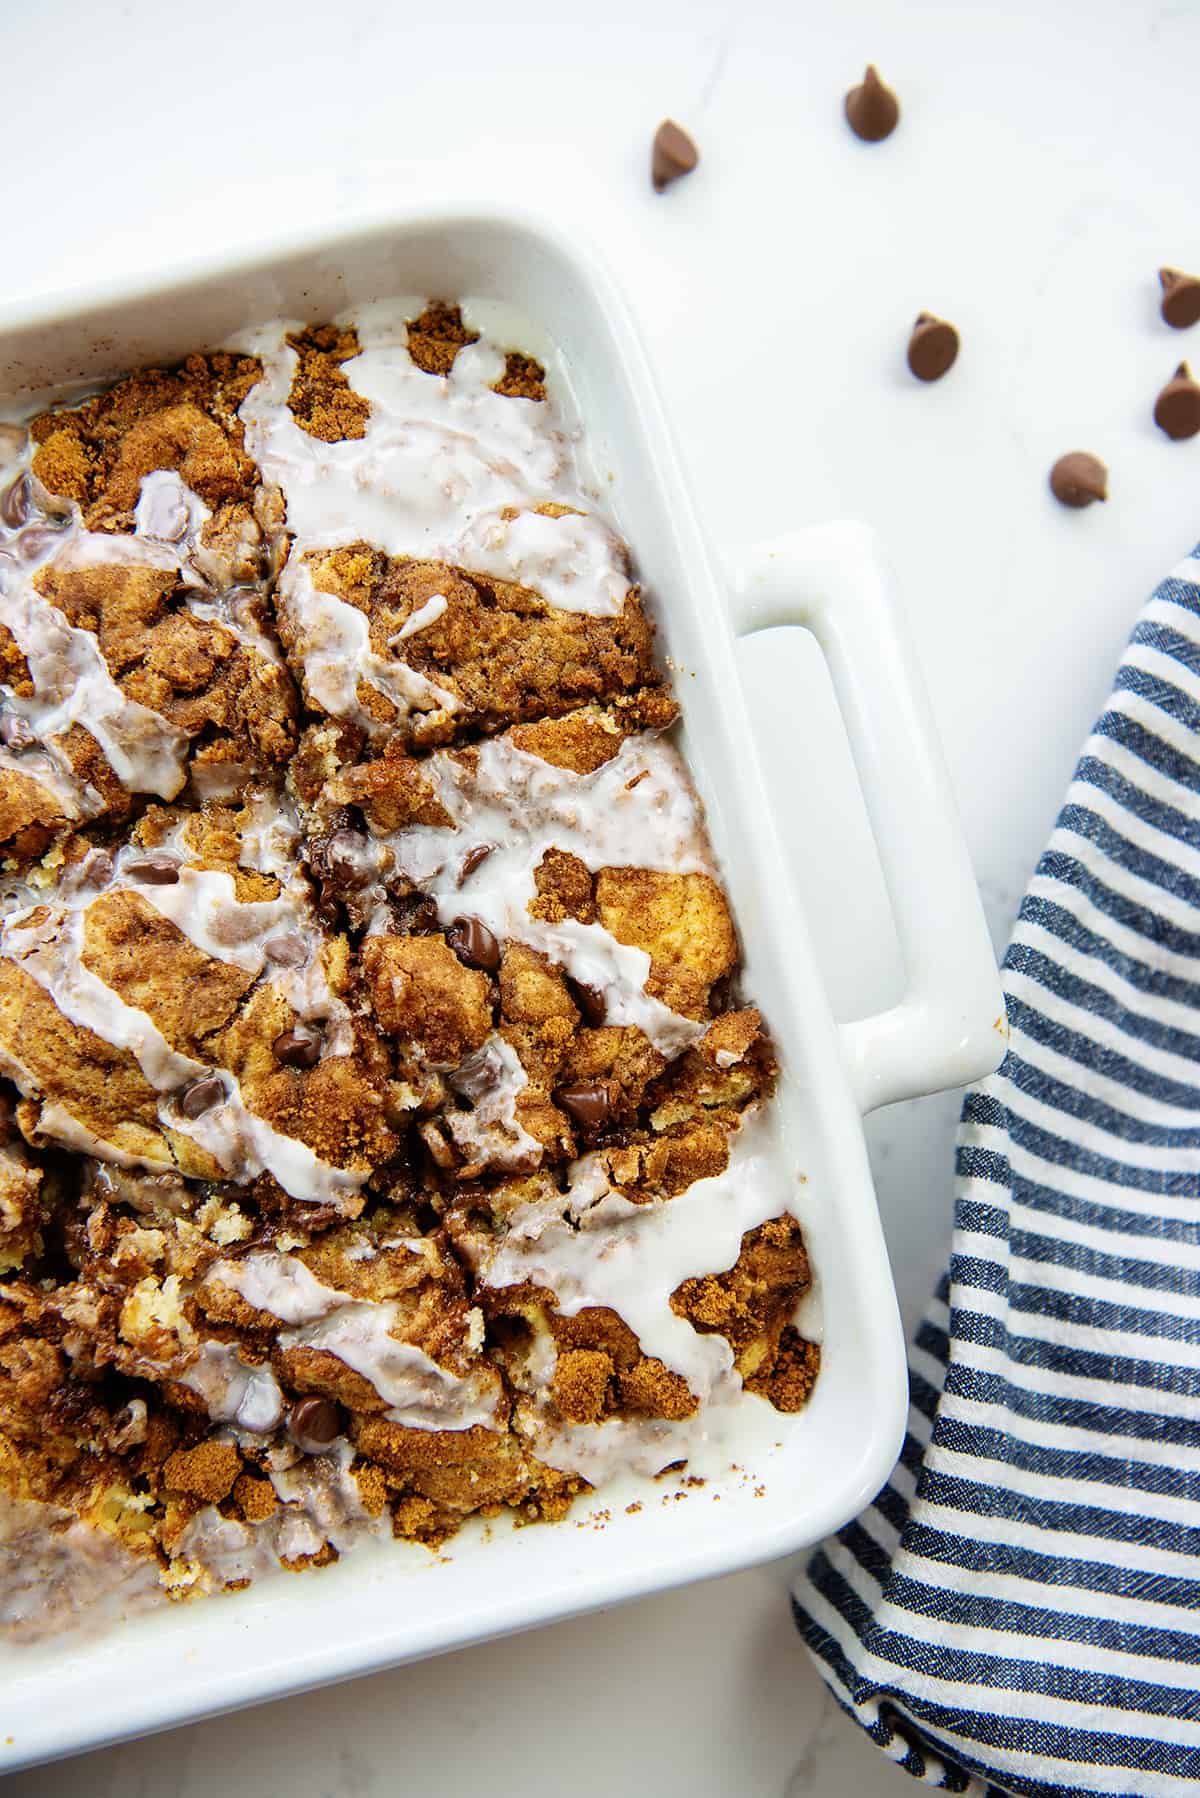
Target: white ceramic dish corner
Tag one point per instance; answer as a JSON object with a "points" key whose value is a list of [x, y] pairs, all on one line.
{"points": [[800, 1477]]}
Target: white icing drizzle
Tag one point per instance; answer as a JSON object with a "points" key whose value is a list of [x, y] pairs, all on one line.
{"points": [[637, 810], [167, 510], [57, 1572], [71, 799], [280, 1284], [333, 643], [203, 904], [234, 612], [593, 1247], [72, 685], [234, 1390], [422, 618], [79, 549], [59, 1125], [270, 835], [71, 678], [419, 1392], [320, 1503], [241, 1142], [446, 470], [573, 560], [219, 780], [645, 1445], [492, 1078], [325, 1488], [436, 450], [169, 514], [50, 949]]}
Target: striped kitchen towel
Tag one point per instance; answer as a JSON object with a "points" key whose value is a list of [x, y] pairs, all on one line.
{"points": [[1019, 1610]]}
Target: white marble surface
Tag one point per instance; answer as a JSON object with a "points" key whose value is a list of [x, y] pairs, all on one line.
{"points": [[1043, 171]]}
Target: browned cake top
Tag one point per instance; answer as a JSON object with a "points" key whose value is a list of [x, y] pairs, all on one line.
{"points": [[383, 1138]]}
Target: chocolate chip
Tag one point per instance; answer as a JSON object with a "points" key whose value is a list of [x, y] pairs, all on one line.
{"points": [[474, 944], [1177, 408], [1180, 304], [1079, 479], [872, 109], [16, 503], [415, 913], [346, 859], [473, 859], [297, 1048], [156, 869], [286, 951], [674, 154], [201, 1095], [314, 1424], [15, 732], [591, 1001], [586, 1102], [932, 348]]}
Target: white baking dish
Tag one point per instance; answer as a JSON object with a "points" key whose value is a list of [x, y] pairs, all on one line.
{"points": [[799, 1477]]}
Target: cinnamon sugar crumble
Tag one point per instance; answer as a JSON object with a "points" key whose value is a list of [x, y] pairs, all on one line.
{"points": [[523, 378], [383, 1141], [321, 398], [436, 336]]}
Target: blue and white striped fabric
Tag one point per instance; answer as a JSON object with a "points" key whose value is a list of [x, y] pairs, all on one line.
{"points": [[1019, 1610]]}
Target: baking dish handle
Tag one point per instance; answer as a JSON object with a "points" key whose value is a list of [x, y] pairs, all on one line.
{"points": [[949, 1026]]}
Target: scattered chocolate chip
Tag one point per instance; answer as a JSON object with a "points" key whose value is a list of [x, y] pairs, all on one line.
{"points": [[474, 944], [473, 859], [286, 951], [314, 1424], [872, 109], [591, 1001], [1177, 408], [932, 348], [415, 913], [1079, 479], [16, 503], [346, 859], [339, 861], [297, 1048], [157, 869], [1180, 304], [201, 1095], [637, 780], [15, 733], [674, 154], [586, 1102]]}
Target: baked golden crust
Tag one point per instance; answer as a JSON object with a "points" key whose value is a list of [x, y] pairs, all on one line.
{"points": [[185, 418], [191, 671], [321, 399], [501, 653], [300, 1017]]}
